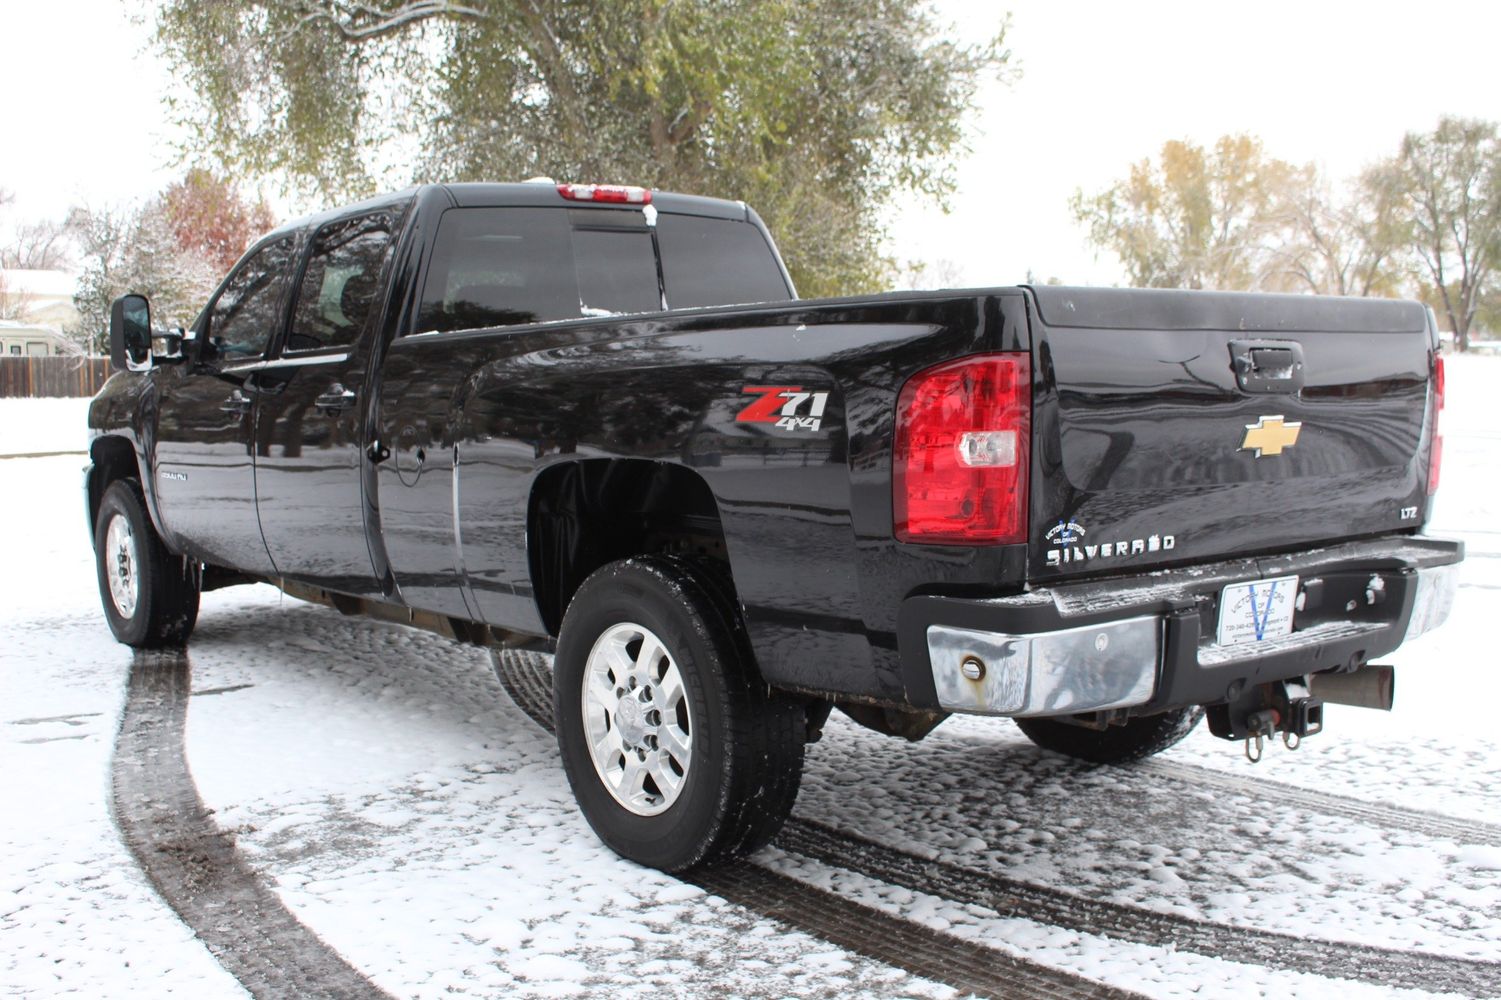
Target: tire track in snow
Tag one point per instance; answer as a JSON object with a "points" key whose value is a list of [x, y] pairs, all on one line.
{"points": [[945, 958], [1428, 824], [194, 865], [1008, 897], [528, 680]]}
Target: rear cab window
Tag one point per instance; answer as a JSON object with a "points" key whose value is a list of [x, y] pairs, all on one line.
{"points": [[717, 262], [493, 267]]}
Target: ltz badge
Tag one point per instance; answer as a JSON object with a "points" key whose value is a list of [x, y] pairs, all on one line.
{"points": [[780, 405]]}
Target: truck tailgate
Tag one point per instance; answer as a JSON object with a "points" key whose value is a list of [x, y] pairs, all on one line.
{"points": [[1176, 426]]}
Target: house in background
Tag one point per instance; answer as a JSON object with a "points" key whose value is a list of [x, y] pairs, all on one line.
{"points": [[29, 340], [39, 304]]}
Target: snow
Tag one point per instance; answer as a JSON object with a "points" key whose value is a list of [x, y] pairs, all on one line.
{"points": [[42, 426], [382, 784]]}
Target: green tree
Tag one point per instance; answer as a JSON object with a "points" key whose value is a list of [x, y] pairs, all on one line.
{"points": [[1197, 218], [820, 113], [1450, 180]]}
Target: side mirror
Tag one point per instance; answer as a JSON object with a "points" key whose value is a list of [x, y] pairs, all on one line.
{"points": [[130, 333]]}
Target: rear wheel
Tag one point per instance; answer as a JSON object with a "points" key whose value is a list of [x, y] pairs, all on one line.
{"points": [[1133, 740], [150, 597], [677, 753]]}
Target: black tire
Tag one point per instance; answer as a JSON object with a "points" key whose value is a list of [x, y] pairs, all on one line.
{"points": [[1134, 740], [746, 742], [166, 594]]}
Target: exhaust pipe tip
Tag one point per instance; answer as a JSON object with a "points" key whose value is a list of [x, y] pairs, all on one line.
{"points": [[1371, 686]]}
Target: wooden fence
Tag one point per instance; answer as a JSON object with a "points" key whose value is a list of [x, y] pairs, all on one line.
{"points": [[52, 376]]}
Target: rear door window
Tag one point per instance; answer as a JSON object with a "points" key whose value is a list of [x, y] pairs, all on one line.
{"points": [[339, 284], [717, 262]]}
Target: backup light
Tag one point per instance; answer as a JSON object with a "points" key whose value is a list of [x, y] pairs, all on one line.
{"points": [[617, 193], [959, 457]]}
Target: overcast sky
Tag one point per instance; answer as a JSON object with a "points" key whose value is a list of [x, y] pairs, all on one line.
{"points": [[1103, 84]]}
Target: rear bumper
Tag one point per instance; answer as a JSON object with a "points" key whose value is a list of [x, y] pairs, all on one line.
{"points": [[1147, 642]]}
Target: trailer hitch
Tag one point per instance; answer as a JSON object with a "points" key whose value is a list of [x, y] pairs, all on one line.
{"points": [[1283, 707]]}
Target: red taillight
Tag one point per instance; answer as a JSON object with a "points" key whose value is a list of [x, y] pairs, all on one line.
{"points": [[619, 193], [1436, 442], [959, 461]]}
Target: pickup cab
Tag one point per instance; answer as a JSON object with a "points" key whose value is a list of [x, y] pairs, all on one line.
{"points": [[596, 421]]}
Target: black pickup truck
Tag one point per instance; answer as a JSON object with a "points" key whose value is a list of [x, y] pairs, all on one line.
{"points": [[596, 420]]}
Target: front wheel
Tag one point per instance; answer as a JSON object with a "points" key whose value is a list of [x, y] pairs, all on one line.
{"points": [[1134, 739], [677, 753], [150, 597]]}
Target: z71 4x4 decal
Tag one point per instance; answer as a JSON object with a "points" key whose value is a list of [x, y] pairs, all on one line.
{"points": [[779, 405]]}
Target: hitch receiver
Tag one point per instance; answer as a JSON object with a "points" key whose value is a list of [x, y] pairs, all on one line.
{"points": [[1264, 711]]}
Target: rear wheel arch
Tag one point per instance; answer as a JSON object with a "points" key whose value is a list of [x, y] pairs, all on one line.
{"points": [[583, 515]]}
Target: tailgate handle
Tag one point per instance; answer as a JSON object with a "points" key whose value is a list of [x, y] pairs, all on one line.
{"points": [[1267, 365]]}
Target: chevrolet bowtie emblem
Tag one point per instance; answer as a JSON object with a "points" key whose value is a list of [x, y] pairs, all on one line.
{"points": [[1270, 435]]}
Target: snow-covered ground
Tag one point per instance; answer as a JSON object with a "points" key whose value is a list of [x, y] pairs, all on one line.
{"points": [[43, 426], [382, 783]]}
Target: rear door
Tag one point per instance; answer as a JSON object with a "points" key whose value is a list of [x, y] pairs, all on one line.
{"points": [[309, 439], [1178, 426]]}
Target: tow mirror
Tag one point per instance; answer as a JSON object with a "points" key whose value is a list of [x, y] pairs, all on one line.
{"points": [[130, 333]]}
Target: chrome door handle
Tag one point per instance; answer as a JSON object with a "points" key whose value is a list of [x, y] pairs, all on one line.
{"points": [[334, 399], [236, 402]]}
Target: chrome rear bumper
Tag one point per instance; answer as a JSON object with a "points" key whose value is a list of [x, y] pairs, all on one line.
{"points": [[1149, 642]]}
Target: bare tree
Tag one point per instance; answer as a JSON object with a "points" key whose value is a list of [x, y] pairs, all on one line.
{"points": [[930, 275], [1451, 181], [1342, 243], [14, 306], [40, 246]]}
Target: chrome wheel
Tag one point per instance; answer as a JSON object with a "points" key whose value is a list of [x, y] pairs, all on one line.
{"points": [[636, 719], [120, 562]]}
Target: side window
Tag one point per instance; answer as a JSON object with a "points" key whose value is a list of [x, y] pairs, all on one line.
{"points": [[247, 312], [716, 262], [339, 285], [497, 267]]}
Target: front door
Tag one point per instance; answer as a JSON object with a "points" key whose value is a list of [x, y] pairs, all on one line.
{"points": [[309, 436], [205, 475]]}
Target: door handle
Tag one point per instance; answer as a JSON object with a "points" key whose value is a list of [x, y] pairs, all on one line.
{"points": [[334, 399], [1271, 366], [236, 402]]}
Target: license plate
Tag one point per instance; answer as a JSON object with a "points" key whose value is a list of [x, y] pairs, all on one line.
{"points": [[1255, 612]]}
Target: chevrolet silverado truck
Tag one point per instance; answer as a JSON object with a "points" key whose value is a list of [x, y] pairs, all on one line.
{"points": [[596, 420]]}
